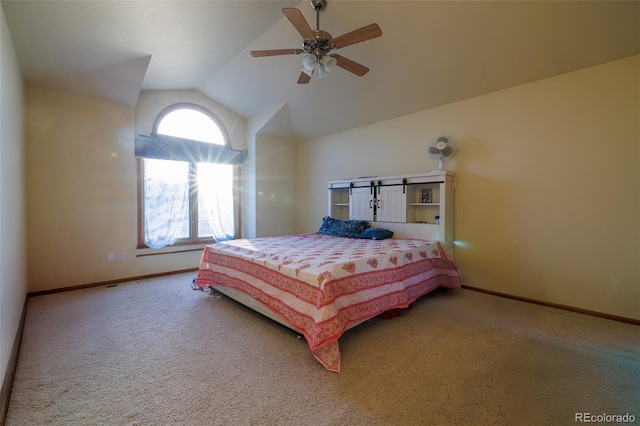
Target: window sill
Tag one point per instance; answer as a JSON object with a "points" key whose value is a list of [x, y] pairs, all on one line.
{"points": [[141, 252]]}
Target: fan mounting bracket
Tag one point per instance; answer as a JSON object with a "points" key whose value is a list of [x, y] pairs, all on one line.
{"points": [[318, 4]]}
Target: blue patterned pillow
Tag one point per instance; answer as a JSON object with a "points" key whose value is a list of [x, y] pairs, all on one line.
{"points": [[342, 228], [376, 234]]}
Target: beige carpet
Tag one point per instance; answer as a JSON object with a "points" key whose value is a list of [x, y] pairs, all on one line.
{"points": [[155, 352]]}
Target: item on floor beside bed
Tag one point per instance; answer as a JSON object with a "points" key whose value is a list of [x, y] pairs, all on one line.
{"points": [[320, 285], [392, 313]]}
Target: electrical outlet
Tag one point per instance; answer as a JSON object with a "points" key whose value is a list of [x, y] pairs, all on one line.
{"points": [[121, 257], [110, 257]]}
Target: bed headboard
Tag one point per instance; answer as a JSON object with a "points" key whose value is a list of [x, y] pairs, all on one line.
{"points": [[406, 204]]}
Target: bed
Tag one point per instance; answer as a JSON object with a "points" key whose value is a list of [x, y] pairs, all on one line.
{"points": [[321, 285]]}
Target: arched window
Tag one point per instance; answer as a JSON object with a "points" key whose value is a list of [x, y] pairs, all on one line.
{"points": [[191, 121], [186, 179]]}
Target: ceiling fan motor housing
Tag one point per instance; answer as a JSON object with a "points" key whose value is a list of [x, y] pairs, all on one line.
{"points": [[321, 45]]}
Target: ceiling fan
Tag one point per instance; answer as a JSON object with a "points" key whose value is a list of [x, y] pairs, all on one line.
{"points": [[317, 45]]}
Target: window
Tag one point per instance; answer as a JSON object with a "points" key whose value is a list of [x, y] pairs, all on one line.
{"points": [[185, 180]]}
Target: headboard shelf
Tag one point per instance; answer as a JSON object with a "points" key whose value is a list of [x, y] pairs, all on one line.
{"points": [[412, 206]]}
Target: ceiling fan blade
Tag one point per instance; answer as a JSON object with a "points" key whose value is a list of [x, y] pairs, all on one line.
{"points": [[298, 21], [304, 78], [357, 36], [350, 65], [274, 52]]}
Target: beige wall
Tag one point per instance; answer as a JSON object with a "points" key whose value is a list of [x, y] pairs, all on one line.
{"points": [[13, 261], [82, 193], [269, 175], [82, 186], [275, 186], [548, 184]]}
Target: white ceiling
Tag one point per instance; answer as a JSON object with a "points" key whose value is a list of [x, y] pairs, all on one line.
{"points": [[431, 52]]}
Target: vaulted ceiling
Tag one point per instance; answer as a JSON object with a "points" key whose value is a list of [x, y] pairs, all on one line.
{"points": [[431, 52]]}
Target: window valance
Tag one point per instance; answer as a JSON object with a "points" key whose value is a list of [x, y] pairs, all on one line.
{"points": [[166, 148]]}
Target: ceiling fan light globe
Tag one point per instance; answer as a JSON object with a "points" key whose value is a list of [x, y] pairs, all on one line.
{"points": [[308, 63], [329, 63], [322, 71]]}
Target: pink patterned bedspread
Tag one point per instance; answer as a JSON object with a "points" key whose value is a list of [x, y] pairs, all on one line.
{"points": [[321, 285]]}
